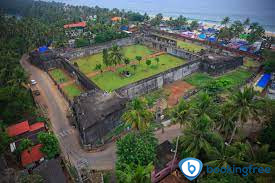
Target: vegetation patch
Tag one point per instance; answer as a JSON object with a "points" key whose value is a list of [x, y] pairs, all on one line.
{"points": [[110, 81], [88, 64], [72, 90], [251, 63], [236, 77], [233, 78], [190, 46], [198, 79], [59, 75]]}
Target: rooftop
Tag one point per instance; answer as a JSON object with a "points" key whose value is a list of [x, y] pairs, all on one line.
{"points": [[164, 155], [217, 58], [51, 171], [23, 127], [36, 126], [115, 19], [32, 155], [94, 107], [74, 25], [18, 129]]}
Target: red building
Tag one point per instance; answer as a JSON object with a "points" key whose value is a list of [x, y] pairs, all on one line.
{"points": [[24, 130], [31, 156], [75, 25]]}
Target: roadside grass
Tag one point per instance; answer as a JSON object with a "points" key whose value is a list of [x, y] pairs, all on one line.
{"points": [[110, 81], [72, 90], [87, 64], [59, 76], [190, 46]]}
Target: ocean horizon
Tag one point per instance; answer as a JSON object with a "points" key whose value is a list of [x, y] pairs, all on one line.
{"points": [[212, 11]]}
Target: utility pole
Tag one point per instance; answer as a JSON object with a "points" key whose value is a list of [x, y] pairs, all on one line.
{"points": [[177, 143]]}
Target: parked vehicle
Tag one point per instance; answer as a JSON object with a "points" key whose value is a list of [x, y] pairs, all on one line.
{"points": [[33, 82]]}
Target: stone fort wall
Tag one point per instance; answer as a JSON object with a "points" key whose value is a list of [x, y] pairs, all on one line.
{"points": [[86, 51], [157, 81]]}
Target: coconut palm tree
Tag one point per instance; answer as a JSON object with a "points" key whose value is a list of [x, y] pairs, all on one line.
{"points": [[243, 107], [137, 115], [126, 61], [116, 56], [181, 113], [237, 28], [135, 174], [205, 106], [228, 155], [199, 137], [225, 21], [139, 58]]}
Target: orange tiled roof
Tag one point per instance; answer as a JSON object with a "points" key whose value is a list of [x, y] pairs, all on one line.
{"points": [[78, 24], [31, 156], [37, 126], [18, 129], [115, 19]]}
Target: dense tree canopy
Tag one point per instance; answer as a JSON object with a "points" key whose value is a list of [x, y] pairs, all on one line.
{"points": [[137, 148], [50, 144]]}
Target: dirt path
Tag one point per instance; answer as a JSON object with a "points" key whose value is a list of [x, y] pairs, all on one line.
{"points": [[67, 83], [133, 62], [67, 135], [177, 89]]}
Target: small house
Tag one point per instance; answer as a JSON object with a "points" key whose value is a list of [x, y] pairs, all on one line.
{"points": [[24, 130], [31, 157]]}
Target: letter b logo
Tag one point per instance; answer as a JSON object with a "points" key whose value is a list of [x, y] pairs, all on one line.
{"points": [[190, 167]]}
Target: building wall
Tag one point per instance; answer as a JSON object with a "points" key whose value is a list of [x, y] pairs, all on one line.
{"points": [[157, 81], [82, 52], [219, 68], [93, 136], [169, 48]]}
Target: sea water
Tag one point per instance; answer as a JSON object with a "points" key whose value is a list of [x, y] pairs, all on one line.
{"points": [[261, 11]]}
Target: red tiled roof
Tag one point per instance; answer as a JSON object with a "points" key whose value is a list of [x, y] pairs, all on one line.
{"points": [[115, 19], [78, 24], [18, 129], [31, 156], [36, 126]]}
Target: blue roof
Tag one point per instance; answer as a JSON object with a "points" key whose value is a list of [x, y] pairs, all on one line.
{"points": [[264, 80], [42, 49], [202, 36], [243, 48]]}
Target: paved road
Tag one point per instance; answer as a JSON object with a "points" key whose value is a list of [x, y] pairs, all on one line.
{"points": [[67, 135]]}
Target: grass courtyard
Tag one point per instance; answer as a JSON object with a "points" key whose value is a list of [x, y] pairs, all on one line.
{"points": [[87, 64], [110, 81], [235, 77], [59, 75], [72, 90], [190, 46]]}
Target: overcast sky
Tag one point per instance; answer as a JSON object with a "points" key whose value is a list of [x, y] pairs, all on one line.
{"points": [[181, 5]]}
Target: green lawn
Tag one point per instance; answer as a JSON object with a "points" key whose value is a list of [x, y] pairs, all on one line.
{"points": [[235, 77], [189, 46], [198, 79], [72, 90], [110, 81], [87, 64], [59, 75]]}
